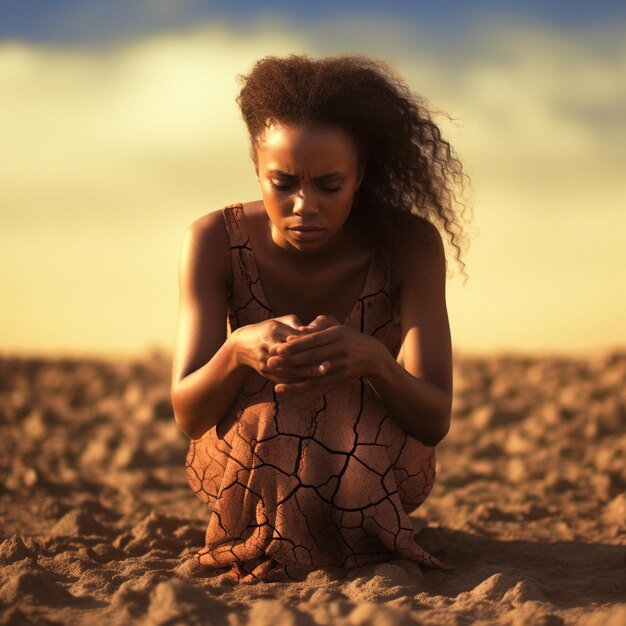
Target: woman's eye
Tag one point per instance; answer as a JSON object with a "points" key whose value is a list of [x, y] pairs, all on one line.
{"points": [[280, 186], [286, 186]]}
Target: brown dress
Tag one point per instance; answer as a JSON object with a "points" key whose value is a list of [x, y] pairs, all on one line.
{"points": [[309, 479]]}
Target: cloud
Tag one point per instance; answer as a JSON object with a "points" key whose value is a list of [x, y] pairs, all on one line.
{"points": [[110, 152]]}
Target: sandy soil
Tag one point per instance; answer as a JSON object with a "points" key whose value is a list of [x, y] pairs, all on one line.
{"points": [[98, 524]]}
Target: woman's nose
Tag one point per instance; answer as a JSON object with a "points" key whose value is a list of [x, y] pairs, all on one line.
{"points": [[304, 202]]}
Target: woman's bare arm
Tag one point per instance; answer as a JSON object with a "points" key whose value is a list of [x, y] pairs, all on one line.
{"points": [[418, 396], [206, 374]]}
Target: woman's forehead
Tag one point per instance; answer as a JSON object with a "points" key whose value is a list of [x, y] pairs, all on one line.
{"points": [[299, 141], [279, 133]]}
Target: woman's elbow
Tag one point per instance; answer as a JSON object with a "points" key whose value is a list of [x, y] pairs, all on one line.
{"points": [[182, 417], [438, 433], [185, 427], [441, 433], [183, 424]]}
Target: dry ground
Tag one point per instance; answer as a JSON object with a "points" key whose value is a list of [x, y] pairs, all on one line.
{"points": [[97, 522]]}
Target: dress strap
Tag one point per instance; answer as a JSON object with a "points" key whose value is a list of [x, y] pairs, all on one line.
{"points": [[388, 269], [377, 318], [235, 226], [246, 305], [380, 280]]}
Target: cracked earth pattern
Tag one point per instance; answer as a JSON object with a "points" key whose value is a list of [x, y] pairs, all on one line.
{"points": [[320, 478]]}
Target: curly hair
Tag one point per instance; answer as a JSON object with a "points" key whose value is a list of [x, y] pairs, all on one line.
{"points": [[409, 167]]}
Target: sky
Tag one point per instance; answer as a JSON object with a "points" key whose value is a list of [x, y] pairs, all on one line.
{"points": [[87, 21], [120, 128]]}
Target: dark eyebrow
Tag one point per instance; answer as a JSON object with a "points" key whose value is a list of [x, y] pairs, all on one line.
{"points": [[286, 175], [330, 175], [281, 173]]}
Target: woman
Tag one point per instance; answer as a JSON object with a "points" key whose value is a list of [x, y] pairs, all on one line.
{"points": [[310, 438]]}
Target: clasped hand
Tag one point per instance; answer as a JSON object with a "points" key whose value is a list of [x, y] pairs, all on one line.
{"points": [[333, 352]]}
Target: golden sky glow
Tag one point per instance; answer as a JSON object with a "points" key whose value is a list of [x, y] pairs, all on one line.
{"points": [[109, 153]]}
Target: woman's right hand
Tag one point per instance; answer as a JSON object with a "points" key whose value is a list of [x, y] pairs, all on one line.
{"points": [[255, 340]]}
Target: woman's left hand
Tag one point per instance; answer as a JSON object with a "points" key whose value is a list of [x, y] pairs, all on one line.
{"points": [[344, 353]]}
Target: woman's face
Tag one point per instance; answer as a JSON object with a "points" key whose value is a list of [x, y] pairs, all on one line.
{"points": [[308, 176]]}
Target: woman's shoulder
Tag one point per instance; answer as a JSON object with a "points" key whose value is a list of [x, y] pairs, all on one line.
{"points": [[412, 237], [207, 245], [413, 229], [208, 228], [209, 234], [212, 227], [416, 239]]}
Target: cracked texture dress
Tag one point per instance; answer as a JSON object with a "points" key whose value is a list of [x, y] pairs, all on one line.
{"points": [[311, 479]]}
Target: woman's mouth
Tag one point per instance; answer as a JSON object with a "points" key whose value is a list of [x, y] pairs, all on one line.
{"points": [[306, 233]]}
